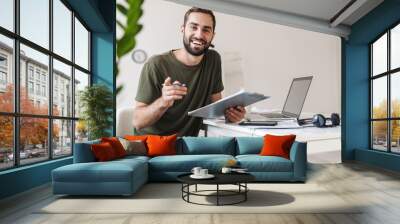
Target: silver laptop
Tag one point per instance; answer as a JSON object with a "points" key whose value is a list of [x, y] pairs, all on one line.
{"points": [[294, 100]]}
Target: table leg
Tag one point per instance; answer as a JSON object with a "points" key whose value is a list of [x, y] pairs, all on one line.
{"points": [[196, 188], [245, 193], [217, 194]]}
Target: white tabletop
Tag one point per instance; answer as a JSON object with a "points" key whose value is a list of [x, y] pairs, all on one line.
{"points": [[305, 134]]}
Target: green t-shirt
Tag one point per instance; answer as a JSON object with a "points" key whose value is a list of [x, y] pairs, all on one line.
{"points": [[201, 80]]}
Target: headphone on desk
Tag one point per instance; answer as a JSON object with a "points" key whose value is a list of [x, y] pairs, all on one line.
{"points": [[318, 120]]}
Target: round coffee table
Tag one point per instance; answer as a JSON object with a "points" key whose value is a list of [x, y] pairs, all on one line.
{"points": [[238, 179]]}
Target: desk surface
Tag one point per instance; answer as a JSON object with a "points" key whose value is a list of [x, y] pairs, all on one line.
{"points": [[305, 134]]}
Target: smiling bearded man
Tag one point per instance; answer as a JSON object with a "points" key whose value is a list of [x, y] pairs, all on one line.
{"points": [[181, 80]]}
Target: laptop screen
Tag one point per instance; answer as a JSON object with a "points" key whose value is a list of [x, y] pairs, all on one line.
{"points": [[296, 96]]}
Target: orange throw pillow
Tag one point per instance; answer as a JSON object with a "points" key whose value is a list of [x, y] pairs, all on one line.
{"points": [[116, 145], [136, 137], [161, 145], [277, 145], [103, 151]]}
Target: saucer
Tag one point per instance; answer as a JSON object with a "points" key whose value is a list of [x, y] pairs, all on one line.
{"points": [[208, 176]]}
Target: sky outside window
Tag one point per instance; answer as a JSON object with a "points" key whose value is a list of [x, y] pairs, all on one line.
{"points": [[62, 29], [35, 21], [379, 56], [7, 14], [395, 47]]}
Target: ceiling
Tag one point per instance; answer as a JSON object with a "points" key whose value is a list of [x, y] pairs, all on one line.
{"points": [[333, 17]]}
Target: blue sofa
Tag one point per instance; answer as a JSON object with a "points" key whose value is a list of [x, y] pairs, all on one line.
{"points": [[125, 176]]}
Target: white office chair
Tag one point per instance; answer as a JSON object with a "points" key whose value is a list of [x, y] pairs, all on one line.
{"points": [[124, 121]]}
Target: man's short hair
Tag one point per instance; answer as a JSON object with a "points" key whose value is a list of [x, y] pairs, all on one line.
{"points": [[205, 11]]}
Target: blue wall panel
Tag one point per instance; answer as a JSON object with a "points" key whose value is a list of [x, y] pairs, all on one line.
{"points": [[24, 178], [356, 85]]}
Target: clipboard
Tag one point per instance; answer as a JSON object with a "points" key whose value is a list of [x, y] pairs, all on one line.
{"points": [[217, 109]]}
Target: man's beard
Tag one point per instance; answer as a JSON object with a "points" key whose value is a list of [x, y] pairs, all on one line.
{"points": [[193, 51]]}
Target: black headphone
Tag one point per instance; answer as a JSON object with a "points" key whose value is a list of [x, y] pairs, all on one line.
{"points": [[319, 120]]}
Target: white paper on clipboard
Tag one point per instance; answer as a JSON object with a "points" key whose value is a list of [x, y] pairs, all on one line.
{"points": [[217, 109]]}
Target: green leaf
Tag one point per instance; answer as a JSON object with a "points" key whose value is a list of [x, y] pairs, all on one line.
{"points": [[125, 45], [122, 9], [119, 89], [121, 25], [132, 12]]}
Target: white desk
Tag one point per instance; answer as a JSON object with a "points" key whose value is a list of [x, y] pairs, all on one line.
{"points": [[323, 144]]}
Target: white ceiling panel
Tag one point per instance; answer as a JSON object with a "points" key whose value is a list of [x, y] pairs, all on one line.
{"points": [[333, 17]]}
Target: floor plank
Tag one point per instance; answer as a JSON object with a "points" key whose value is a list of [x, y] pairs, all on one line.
{"points": [[377, 190]]}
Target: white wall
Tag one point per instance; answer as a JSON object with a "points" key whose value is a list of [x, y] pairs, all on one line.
{"points": [[257, 56]]}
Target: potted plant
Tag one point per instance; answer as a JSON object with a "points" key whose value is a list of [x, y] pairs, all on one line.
{"points": [[96, 102]]}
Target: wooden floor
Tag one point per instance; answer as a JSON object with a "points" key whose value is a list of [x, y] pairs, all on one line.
{"points": [[378, 189]]}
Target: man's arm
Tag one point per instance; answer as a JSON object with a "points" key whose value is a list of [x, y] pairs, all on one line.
{"points": [[232, 114], [145, 115]]}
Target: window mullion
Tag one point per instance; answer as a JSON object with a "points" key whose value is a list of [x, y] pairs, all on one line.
{"points": [[16, 70], [73, 82], [50, 87]]}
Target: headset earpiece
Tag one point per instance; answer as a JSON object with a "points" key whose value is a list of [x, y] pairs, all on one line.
{"points": [[318, 120], [335, 119]]}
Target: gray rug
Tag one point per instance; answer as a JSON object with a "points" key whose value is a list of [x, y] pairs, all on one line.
{"points": [[166, 198]]}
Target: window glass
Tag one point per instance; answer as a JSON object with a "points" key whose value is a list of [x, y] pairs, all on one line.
{"points": [[379, 56], [6, 142], [34, 21], [6, 74], [62, 91], [379, 135], [395, 95], [33, 140], [379, 98], [395, 136], [395, 47], [81, 45], [62, 138], [62, 29], [81, 131], [39, 62], [81, 81], [7, 14]]}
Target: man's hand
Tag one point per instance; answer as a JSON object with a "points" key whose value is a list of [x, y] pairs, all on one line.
{"points": [[172, 92], [235, 114]]}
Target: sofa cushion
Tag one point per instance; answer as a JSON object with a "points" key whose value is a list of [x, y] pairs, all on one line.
{"points": [[134, 147], [257, 163], [185, 163], [249, 145], [116, 145], [206, 145], [161, 145], [142, 138], [112, 171], [275, 145], [83, 152], [103, 151]]}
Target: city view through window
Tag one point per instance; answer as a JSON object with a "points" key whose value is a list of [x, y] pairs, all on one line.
{"points": [[39, 114], [385, 92]]}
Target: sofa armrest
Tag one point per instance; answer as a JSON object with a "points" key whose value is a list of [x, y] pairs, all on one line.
{"points": [[83, 152], [298, 155]]}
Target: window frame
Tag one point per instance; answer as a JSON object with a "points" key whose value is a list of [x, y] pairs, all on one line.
{"points": [[15, 72], [388, 74]]}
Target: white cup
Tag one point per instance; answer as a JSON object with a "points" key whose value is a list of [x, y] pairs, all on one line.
{"points": [[196, 171], [203, 172], [226, 170]]}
